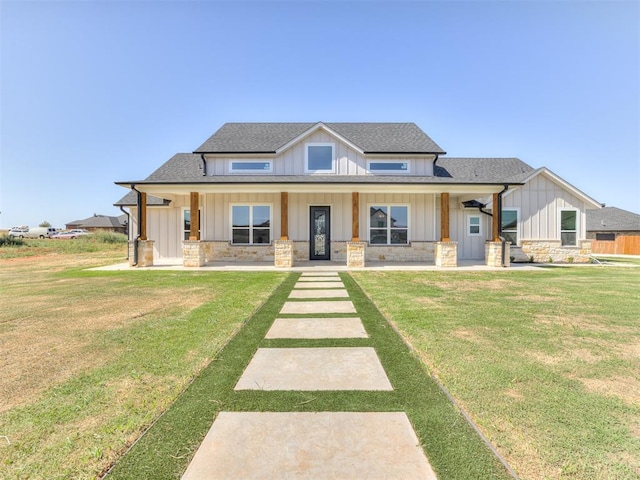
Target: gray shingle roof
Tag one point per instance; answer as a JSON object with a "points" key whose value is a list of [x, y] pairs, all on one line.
{"points": [[612, 219], [131, 200], [269, 137], [97, 221], [483, 170]]}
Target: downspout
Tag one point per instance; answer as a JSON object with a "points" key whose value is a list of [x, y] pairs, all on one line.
{"points": [[137, 239], [434, 164], [128, 224], [499, 220], [204, 165]]}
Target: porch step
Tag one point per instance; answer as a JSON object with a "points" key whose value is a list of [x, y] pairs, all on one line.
{"points": [[518, 255]]}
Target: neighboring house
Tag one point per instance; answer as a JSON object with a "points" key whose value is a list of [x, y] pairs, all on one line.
{"points": [[613, 230], [350, 193], [608, 223], [102, 223]]}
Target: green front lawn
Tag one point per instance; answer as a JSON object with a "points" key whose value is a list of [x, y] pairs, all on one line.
{"points": [[547, 363]]}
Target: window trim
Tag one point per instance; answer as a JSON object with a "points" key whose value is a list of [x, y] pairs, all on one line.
{"points": [[577, 229], [249, 170], [319, 144], [517, 210], [388, 227], [182, 230], [251, 227], [469, 217], [397, 172]]}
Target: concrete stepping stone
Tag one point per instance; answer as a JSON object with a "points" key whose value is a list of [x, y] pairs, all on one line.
{"points": [[318, 285], [308, 445], [329, 368], [325, 293], [319, 274], [317, 328], [319, 279], [318, 307]]}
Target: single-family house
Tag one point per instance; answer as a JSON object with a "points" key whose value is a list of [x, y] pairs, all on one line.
{"points": [[352, 193], [614, 231]]}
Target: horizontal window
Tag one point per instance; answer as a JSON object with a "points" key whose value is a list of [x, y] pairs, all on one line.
{"points": [[376, 166], [251, 224], [262, 166], [389, 225]]}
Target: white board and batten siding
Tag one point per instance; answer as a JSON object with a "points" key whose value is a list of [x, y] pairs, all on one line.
{"points": [[348, 161], [540, 202]]}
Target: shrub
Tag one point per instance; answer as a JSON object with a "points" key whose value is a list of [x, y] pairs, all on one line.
{"points": [[7, 241], [570, 259], [109, 237]]}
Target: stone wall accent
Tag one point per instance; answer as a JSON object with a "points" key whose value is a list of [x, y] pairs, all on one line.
{"points": [[493, 254], [545, 251], [423, 252], [224, 251], [356, 254], [145, 253], [446, 254], [193, 253], [283, 254]]}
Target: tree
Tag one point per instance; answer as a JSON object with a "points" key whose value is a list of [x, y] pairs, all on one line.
{"points": [[45, 224]]}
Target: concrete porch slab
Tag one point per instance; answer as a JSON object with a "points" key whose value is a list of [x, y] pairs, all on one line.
{"points": [[337, 284], [317, 328], [330, 368], [318, 307], [307, 445], [324, 293]]}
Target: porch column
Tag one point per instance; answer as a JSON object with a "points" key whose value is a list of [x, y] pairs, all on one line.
{"points": [[284, 215], [355, 216], [446, 250], [142, 216], [444, 217], [497, 218], [194, 232]]}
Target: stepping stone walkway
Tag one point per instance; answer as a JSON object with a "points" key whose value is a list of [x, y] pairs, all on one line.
{"points": [[312, 445]]}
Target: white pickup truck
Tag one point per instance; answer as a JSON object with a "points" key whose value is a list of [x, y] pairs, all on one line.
{"points": [[32, 232]]}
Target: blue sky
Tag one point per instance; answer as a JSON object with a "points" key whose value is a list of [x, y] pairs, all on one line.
{"points": [[94, 92]]}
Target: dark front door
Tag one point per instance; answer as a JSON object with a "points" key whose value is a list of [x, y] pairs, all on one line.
{"points": [[320, 235]]}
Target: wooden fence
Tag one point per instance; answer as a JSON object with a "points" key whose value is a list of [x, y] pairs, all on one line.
{"points": [[621, 246]]}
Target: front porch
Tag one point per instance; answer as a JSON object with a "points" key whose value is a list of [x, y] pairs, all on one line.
{"points": [[350, 228]]}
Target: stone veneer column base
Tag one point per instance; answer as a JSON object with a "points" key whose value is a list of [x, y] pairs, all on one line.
{"points": [[145, 253], [493, 254], [283, 255], [193, 253], [356, 254], [446, 254]]}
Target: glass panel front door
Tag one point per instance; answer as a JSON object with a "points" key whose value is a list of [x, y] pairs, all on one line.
{"points": [[320, 238]]}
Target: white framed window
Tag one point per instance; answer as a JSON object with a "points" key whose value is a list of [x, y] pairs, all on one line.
{"points": [[388, 166], [251, 224], [186, 223], [474, 226], [389, 224], [319, 158], [250, 166], [510, 222], [569, 227]]}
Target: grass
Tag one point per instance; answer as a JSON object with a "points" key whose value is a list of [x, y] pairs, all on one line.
{"points": [[545, 362], [90, 359], [454, 450]]}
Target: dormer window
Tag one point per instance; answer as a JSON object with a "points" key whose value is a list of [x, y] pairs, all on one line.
{"points": [[388, 166], [250, 166], [319, 158]]}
